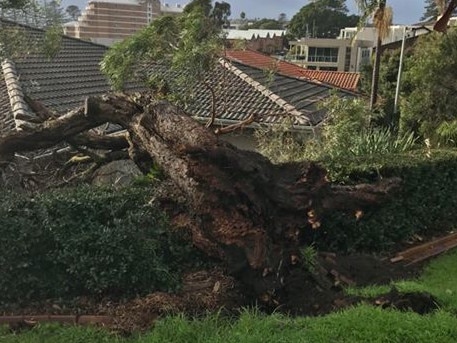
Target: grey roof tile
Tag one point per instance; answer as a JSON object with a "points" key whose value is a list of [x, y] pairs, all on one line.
{"points": [[64, 81]]}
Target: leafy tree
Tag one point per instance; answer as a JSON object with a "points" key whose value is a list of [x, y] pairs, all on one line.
{"points": [[429, 103], [221, 12], [321, 18], [17, 41], [204, 5], [73, 12], [388, 74], [14, 4], [53, 12], [282, 18], [433, 8], [264, 24], [188, 46]]}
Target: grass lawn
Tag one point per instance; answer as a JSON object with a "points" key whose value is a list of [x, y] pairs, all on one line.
{"points": [[359, 324]]}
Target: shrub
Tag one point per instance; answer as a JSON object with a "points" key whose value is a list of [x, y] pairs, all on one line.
{"points": [[345, 134], [87, 242], [425, 203]]}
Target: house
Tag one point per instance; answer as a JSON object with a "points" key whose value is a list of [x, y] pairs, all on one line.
{"points": [[350, 51], [243, 91], [330, 54], [344, 80], [109, 21]]}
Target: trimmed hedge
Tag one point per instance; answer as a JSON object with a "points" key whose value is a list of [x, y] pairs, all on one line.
{"points": [[87, 241], [425, 204]]}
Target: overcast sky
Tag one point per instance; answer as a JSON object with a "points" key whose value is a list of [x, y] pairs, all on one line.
{"points": [[405, 11]]}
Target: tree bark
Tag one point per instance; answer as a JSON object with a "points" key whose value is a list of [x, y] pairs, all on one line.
{"points": [[237, 205]]}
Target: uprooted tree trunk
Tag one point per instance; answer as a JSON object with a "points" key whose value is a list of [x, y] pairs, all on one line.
{"points": [[238, 206]]}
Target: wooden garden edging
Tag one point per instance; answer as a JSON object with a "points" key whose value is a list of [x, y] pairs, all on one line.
{"points": [[64, 319], [426, 250]]}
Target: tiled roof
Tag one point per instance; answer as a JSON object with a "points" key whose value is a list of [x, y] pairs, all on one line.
{"points": [[6, 116], [63, 82], [344, 80], [237, 95], [302, 94], [340, 79]]}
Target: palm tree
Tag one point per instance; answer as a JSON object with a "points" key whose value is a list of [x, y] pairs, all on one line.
{"points": [[382, 19]]}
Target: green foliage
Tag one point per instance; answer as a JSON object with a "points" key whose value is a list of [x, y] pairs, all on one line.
{"points": [[438, 279], [154, 174], [17, 41], [346, 133], [189, 45], [388, 75], [432, 9], [424, 204], [281, 143], [361, 324], [87, 242], [429, 102], [321, 18], [73, 12], [264, 24], [308, 255], [154, 43]]}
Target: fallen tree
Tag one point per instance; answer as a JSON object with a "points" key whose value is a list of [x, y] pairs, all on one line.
{"points": [[238, 206]]}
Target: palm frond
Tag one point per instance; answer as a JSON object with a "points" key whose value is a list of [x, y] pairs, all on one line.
{"points": [[382, 20]]}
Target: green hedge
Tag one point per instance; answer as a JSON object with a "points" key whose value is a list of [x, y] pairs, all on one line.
{"points": [[87, 242], [425, 204]]}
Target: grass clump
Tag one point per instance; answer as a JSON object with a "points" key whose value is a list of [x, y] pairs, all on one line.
{"points": [[359, 324], [438, 278]]}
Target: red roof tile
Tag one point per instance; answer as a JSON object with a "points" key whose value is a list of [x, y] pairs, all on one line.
{"points": [[340, 79]]}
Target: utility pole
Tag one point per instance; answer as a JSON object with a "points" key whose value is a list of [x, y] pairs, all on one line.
{"points": [[400, 69]]}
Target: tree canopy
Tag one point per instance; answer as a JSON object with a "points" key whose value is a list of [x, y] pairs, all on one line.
{"points": [[73, 12], [264, 24], [428, 106], [322, 18], [188, 45], [433, 8]]}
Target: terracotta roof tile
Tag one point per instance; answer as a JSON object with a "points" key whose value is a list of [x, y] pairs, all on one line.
{"points": [[340, 79], [344, 80]]}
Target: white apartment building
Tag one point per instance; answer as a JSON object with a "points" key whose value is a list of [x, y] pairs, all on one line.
{"points": [[351, 50], [330, 54], [109, 21]]}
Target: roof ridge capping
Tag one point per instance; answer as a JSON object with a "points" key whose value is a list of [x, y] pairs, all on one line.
{"points": [[23, 117], [290, 109]]}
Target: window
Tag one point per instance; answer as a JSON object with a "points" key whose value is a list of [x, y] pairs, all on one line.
{"points": [[323, 55], [329, 68]]}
